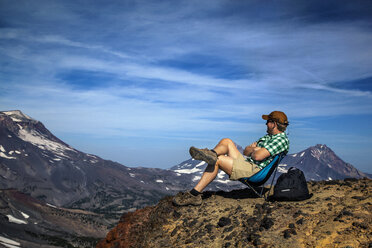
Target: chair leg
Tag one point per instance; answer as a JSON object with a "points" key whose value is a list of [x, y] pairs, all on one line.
{"points": [[259, 195], [262, 190], [271, 185]]}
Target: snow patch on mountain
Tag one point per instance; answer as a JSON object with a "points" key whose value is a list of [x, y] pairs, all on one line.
{"points": [[15, 220], [188, 171], [43, 143], [223, 181], [50, 205], [196, 178], [282, 168], [9, 242], [3, 155], [221, 174], [200, 164], [18, 116], [26, 216], [316, 153]]}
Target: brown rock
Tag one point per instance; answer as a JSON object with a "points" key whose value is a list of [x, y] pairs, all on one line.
{"points": [[252, 222]]}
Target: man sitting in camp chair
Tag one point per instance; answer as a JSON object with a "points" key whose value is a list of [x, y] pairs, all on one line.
{"points": [[225, 156]]}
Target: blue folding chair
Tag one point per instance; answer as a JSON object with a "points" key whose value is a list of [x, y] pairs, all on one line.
{"points": [[263, 175]]}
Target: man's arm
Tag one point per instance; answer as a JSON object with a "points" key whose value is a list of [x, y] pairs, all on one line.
{"points": [[255, 152], [260, 154], [249, 149]]}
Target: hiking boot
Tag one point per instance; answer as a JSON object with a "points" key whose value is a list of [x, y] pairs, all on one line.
{"points": [[204, 155], [186, 198]]}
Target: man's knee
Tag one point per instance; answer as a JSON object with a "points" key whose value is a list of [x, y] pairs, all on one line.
{"points": [[219, 160], [226, 140]]}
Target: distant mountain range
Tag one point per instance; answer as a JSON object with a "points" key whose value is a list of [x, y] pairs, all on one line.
{"points": [[37, 165]]}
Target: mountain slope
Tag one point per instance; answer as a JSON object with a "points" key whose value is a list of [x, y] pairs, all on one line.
{"points": [[34, 161], [31, 223]]}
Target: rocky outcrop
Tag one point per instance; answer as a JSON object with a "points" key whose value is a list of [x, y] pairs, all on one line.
{"points": [[338, 215]]}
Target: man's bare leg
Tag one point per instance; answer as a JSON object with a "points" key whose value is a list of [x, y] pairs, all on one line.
{"points": [[227, 147], [227, 152], [224, 163]]}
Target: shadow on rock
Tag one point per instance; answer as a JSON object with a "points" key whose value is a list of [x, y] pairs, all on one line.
{"points": [[236, 194]]}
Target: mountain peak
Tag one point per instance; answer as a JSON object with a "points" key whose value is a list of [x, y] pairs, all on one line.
{"points": [[320, 147], [18, 116], [320, 162]]}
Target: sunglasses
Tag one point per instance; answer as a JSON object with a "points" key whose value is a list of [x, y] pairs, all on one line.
{"points": [[268, 121]]}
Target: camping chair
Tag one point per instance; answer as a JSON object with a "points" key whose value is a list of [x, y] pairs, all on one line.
{"points": [[263, 175]]}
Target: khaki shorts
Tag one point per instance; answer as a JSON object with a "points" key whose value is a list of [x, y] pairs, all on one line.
{"points": [[243, 168]]}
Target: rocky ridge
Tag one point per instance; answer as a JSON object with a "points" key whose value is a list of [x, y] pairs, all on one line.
{"points": [[338, 215]]}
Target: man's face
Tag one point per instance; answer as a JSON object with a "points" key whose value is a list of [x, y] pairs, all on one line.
{"points": [[270, 124]]}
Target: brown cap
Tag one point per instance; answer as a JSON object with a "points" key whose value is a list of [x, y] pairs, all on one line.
{"points": [[277, 116]]}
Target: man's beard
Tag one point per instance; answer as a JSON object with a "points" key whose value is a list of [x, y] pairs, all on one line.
{"points": [[269, 131]]}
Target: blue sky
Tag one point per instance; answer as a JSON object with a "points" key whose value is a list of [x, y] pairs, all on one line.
{"points": [[138, 82]]}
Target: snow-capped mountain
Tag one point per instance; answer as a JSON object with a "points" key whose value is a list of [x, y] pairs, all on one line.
{"points": [[320, 163], [35, 162]]}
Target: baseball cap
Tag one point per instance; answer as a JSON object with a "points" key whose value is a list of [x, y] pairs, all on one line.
{"points": [[277, 116]]}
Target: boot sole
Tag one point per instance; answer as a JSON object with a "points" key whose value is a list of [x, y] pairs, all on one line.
{"points": [[199, 155]]}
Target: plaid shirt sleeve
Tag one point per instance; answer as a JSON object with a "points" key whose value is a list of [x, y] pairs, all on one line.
{"points": [[276, 145]]}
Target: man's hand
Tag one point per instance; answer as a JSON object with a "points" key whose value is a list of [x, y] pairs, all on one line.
{"points": [[249, 149], [255, 152]]}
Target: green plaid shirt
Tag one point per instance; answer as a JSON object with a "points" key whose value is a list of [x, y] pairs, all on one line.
{"points": [[275, 144]]}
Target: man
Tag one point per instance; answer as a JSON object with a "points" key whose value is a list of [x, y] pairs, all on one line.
{"points": [[225, 156]]}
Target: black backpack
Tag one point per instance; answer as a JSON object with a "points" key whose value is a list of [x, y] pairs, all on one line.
{"points": [[291, 186]]}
